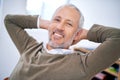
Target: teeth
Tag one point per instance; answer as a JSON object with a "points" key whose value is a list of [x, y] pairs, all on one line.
{"points": [[58, 35]]}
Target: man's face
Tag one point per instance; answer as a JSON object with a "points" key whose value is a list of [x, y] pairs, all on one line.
{"points": [[63, 27]]}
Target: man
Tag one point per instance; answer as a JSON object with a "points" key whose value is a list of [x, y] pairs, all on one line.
{"points": [[55, 61]]}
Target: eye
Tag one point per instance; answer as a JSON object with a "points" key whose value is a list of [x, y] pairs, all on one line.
{"points": [[69, 24], [56, 20]]}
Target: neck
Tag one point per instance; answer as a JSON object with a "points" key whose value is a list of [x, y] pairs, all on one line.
{"points": [[50, 47]]}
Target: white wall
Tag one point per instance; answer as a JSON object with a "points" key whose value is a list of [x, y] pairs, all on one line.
{"points": [[0, 11], [8, 52], [104, 12]]}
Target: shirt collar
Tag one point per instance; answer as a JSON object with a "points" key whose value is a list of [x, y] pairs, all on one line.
{"points": [[58, 51]]}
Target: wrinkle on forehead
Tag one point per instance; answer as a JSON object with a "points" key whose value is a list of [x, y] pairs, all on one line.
{"points": [[68, 6]]}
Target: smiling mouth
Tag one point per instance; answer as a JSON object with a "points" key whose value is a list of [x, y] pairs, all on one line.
{"points": [[58, 35]]}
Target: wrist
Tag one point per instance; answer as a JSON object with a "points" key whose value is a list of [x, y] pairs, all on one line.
{"points": [[85, 34], [43, 24], [38, 21]]}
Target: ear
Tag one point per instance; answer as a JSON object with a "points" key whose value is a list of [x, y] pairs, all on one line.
{"points": [[77, 37]]}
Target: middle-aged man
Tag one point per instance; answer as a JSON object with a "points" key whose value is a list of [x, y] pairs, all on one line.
{"points": [[54, 60]]}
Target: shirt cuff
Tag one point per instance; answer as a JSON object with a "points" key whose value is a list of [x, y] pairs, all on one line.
{"points": [[38, 21]]}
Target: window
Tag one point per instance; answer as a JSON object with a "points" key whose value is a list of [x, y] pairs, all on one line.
{"points": [[44, 8]]}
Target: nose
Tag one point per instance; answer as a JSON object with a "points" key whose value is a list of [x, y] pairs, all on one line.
{"points": [[60, 26]]}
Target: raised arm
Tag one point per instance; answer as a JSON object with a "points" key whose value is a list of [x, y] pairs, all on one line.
{"points": [[15, 25], [107, 53], [22, 21]]}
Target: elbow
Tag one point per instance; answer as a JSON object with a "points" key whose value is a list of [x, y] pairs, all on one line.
{"points": [[7, 19]]}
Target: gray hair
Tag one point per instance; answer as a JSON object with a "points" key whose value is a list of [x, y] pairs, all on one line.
{"points": [[81, 20]]}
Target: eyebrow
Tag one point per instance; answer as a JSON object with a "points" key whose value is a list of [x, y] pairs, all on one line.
{"points": [[69, 20], [66, 19], [56, 17]]}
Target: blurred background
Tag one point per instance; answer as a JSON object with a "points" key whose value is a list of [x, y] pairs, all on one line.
{"points": [[104, 12]]}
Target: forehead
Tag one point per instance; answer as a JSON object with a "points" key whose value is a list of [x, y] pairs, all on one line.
{"points": [[67, 12]]}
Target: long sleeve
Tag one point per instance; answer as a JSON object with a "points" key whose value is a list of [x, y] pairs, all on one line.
{"points": [[105, 54], [44, 66], [15, 25]]}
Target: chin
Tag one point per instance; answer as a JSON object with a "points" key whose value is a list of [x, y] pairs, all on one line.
{"points": [[56, 46]]}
